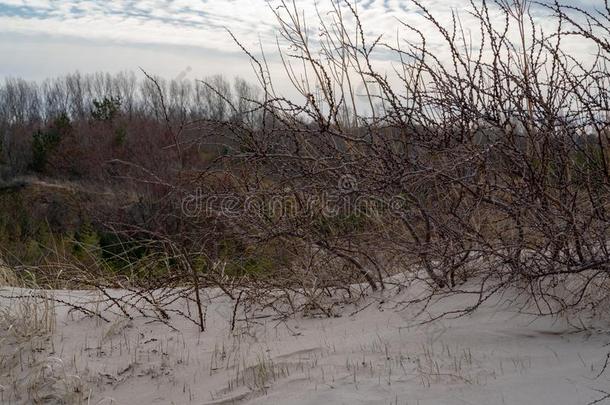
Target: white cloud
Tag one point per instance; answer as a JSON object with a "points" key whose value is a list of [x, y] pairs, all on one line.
{"points": [[166, 33]]}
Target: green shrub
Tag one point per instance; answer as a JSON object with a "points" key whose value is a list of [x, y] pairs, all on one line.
{"points": [[45, 142], [86, 243], [106, 109]]}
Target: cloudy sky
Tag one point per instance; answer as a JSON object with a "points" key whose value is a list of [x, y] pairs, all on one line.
{"points": [[42, 38]]}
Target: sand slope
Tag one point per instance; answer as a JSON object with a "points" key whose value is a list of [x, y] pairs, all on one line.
{"points": [[378, 355]]}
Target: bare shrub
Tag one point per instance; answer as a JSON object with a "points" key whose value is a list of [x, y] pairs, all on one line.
{"points": [[479, 163], [498, 153]]}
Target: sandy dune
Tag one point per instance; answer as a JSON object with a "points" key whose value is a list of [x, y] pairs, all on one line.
{"points": [[379, 355]]}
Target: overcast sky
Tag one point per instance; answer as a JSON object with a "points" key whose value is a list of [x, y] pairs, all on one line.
{"points": [[42, 38]]}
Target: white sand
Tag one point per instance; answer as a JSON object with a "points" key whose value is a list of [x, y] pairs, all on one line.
{"points": [[377, 356]]}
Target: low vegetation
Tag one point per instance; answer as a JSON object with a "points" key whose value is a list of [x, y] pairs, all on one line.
{"points": [[489, 165]]}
